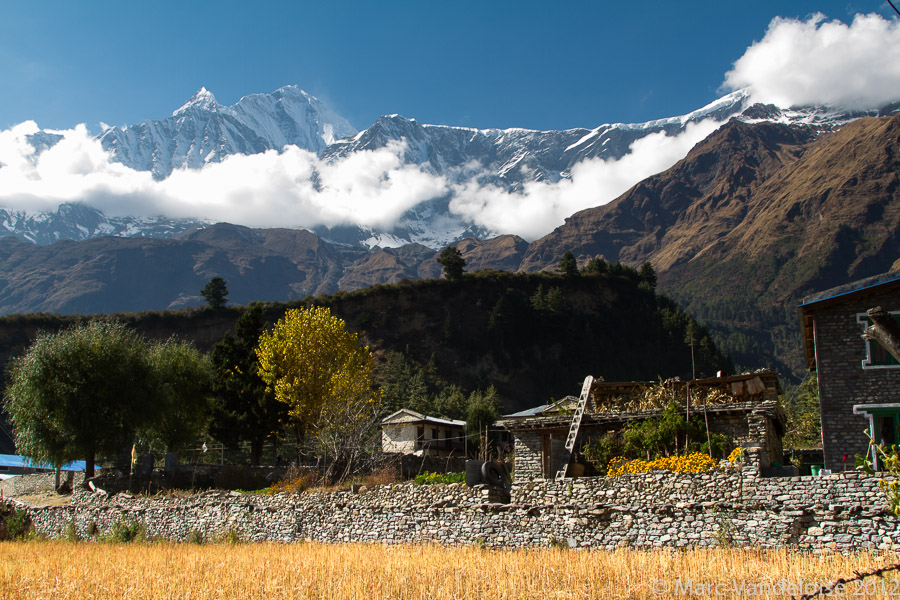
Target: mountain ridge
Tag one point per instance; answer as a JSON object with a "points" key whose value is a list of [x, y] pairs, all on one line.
{"points": [[202, 131]]}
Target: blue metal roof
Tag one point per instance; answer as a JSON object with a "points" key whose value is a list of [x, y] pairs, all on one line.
{"points": [[531, 412], [16, 461]]}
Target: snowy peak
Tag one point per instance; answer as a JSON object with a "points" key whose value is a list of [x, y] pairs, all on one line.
{"points": [[202, 100], [203, 131], [75, 221]]}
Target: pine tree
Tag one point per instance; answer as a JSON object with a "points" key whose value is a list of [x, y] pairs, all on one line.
{"points": [[567, 265], [215, 293], [452, 261]]}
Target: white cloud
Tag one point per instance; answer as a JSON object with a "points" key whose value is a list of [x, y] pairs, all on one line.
{"points": [[542, 206], [797, 62], [816, 61], [293, 188], [287, 189]]}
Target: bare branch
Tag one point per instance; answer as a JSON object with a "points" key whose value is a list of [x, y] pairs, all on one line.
{"points": [[827, 590]]}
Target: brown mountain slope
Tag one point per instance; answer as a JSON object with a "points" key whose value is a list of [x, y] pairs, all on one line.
{"points": [[755, 217], [671, 217], [134, 274]]}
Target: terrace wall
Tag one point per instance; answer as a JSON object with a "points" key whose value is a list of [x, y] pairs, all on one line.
{"points": [[840, 512]]}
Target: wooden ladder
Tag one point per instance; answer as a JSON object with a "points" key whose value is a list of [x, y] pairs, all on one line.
{"points": [[575, 426]]}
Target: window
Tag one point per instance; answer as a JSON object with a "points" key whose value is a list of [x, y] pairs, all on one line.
{"points": [[876, 356], [884, 425], [886, 428], [420, 436]]}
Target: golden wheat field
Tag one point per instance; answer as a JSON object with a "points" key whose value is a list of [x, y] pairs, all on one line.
{"points": [[157, 571]]}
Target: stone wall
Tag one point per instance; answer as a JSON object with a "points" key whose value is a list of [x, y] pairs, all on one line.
{"points": [[840, 351], [841, 512], [33, 483], [528, 453]]}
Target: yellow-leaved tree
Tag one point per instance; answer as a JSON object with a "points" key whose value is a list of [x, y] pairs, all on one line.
{"points": [[324, 376]]}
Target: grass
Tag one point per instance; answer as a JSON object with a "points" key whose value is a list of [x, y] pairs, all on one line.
{"points": [[311, 570]]}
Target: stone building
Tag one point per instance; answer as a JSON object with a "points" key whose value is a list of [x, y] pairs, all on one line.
{"points": [[409, 432], [859, 382], [744, 408]]}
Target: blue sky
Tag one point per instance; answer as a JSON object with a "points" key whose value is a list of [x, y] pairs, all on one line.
{"points": [[538, 65], [479, 64]]}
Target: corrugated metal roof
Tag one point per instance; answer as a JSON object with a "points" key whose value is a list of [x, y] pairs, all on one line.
{"points": [[416, 417], [20, 462], [531, 412]]}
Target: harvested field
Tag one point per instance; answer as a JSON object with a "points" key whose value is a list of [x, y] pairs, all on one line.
{"points": [[66, 570]]}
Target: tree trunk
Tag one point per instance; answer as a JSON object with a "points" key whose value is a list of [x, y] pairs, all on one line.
{"points": [[884, 330], [89, 465], [256, 451]]}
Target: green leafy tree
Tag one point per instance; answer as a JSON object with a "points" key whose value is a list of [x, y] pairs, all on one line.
{"points": [[80, 393], [215, 293], [452, 261], [321, 373], [567, 265], [671, 434], [183, 394], [244, 410], [450, 403], [801, 406], [482, 410]]}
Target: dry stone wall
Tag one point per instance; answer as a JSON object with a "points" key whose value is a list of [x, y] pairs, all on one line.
{"points": [[839, 512]]}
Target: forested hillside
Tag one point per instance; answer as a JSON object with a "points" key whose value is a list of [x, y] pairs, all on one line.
{"points": [[531, 336]]}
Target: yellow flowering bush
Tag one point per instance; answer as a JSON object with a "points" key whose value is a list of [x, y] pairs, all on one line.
{"points": [[736, 455], [695, 462]]}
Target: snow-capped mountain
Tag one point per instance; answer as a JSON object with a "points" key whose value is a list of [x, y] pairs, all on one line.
{"points": [[72, 221], [203, 131], [512, 157]]}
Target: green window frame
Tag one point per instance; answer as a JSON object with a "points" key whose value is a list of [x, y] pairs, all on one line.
{"points": [[876, 355], [884, 426]]}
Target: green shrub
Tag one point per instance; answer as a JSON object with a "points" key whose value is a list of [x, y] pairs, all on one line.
{"points": [[194, 537], [428, 478], [602, 450], [232, 536], [14, 524], [71, 532], [123, 532]]}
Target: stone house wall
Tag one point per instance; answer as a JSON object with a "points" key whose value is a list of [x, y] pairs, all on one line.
{"points": [[402, 438], [398, 437], [746, 424], [527, 447], [843, 382]]}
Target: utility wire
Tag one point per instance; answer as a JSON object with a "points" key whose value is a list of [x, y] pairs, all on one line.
{"points": [[894, 7]]}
